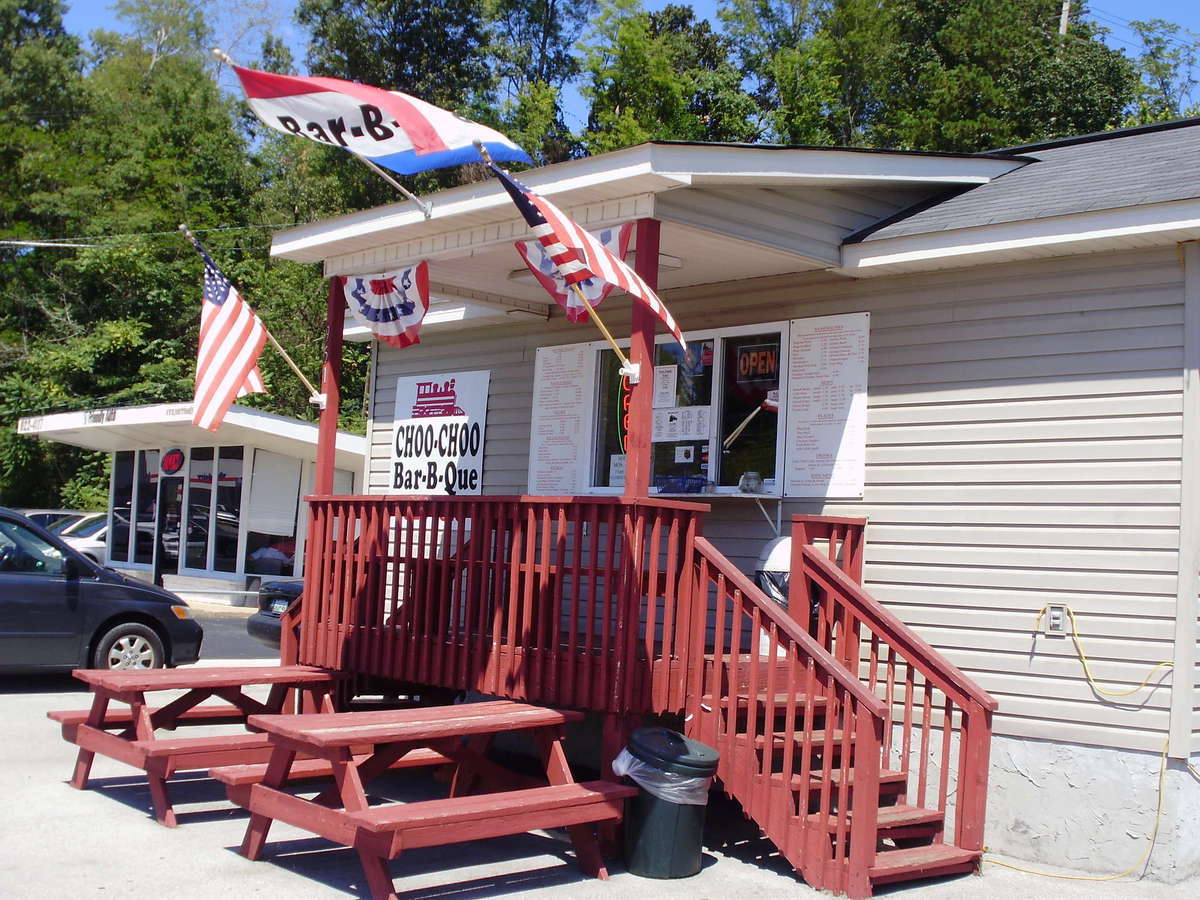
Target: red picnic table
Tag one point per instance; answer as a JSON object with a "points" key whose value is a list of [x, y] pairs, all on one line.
{"points": [[128, 735], [431, 736]]}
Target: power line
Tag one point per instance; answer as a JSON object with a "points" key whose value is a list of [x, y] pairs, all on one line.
{"points": [[173, 232]]}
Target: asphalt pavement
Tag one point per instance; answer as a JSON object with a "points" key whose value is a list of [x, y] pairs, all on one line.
{"points": [[225, 633], [100, 843]]}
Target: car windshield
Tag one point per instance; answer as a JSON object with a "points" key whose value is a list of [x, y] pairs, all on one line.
{"points": [[85, 527]]}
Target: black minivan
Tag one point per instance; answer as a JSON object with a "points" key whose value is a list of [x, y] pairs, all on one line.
{"points": [[60, 610]]}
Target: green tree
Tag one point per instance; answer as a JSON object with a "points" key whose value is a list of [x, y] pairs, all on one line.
{"points": [[971, 75], [660, 76], [1167, 72]]}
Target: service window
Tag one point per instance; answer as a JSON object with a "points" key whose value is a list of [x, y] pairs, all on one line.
{"points": [[716, 413]]}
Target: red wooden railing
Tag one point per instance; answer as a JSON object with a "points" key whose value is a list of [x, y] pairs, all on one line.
{"points": [[938, 719], [796, 731], [555, 600]]}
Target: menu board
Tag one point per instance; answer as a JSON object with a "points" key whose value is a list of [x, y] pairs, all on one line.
{"points": [[825, 449], [561, 403]]}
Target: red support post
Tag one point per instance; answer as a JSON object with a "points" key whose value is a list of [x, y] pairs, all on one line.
{"points": [[641, 352], [331, 387]]}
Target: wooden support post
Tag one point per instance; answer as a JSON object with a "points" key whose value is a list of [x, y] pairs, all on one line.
{"points": [[641, 352], [331, 387]]}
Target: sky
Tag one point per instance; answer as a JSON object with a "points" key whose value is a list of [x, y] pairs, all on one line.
{"points": [[85, 15]]}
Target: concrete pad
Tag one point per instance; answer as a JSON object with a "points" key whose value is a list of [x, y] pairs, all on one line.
{"points": [[59, 842]]}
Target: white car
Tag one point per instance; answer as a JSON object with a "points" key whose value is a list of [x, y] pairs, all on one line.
{"points": [[89, 536]]}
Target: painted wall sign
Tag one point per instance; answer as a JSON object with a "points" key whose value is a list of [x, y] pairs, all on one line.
{"points": [[438, 436]]}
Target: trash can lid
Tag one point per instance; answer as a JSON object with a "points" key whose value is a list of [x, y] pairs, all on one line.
{"points": [[670, 751]]}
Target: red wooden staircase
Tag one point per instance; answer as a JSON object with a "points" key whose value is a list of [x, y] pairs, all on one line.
{"points": [[856, 748], [840, 740]]}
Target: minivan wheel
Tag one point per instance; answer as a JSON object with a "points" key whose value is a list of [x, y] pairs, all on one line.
{"points": [[129, 645]]}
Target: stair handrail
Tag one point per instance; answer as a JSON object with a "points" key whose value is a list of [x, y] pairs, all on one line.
{"points": [[785, 623], [928, 661]]}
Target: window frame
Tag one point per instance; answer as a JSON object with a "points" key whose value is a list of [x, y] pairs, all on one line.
{"points": [[586, 476]]}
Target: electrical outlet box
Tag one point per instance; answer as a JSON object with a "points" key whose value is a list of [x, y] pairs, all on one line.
{"points": [[1056, 619]]}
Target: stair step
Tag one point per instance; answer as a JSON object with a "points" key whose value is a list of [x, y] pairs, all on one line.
{"points": [[887, 779], [891, 818], [780, 700], [922, 862]]}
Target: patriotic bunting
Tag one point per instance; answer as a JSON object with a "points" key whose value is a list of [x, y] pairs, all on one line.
{"points": [[391, 305], [391, 129]]}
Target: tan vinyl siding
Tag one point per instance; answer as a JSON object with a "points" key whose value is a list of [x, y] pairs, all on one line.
{"points": [[1023, 447]]}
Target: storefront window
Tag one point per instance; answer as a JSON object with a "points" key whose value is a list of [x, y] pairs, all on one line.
{"points": [[228, 521], [122, 504], [271, 514], [716, 414], [199, 511], [145, 506]]}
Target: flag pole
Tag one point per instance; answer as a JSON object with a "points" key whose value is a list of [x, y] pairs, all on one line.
{"points": [[314, 396], [625, 363], [426, 208]]}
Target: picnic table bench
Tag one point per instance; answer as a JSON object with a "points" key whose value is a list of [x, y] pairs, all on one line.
{"points": [[128, 735], [460, 734]]}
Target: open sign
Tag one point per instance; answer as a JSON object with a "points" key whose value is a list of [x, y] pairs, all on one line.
{"points": [[758, 364]]}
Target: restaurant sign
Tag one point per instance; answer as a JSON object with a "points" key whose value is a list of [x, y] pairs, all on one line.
{"points": [[437, 440]]}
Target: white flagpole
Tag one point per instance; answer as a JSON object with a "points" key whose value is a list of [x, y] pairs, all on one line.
{"points": [[425, 207]]}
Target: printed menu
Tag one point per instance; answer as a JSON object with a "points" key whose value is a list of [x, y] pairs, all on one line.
{"points": [[560, 401]]}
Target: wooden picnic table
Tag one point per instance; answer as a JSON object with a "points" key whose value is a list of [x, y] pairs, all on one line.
{"points": [[128, 735], [459, 734]]}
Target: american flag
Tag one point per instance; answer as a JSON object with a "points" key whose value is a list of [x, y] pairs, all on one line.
{"points": [[577, 254], [231, 340]]}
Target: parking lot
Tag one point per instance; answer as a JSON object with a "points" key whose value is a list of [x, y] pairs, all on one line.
{"points": [[59, 842]]}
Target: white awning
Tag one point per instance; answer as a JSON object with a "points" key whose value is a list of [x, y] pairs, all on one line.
{"points": [[170, 424]]}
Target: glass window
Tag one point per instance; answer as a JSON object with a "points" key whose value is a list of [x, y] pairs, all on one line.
{"points": [[716, 414], [229, 509], [146, 506], [199, 511], [613, 416], [749, 408], [24, 552], [122, 503], [271, 514], [681, 458]]}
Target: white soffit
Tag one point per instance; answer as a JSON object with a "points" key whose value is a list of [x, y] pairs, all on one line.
{"points": [[1114, 229], [170, 424], [484, 211]]}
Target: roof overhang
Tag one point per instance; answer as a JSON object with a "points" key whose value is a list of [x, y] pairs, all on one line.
{"points": [[1111, 229], [170, 424]]}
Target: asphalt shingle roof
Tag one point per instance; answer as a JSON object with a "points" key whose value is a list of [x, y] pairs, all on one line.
{"points": [[1107, 172]]}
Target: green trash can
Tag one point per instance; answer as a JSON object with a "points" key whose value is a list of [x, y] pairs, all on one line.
{"points": [[664, 823]]}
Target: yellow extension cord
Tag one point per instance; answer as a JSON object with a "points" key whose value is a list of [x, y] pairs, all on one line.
{"points": [[1162, 765]]}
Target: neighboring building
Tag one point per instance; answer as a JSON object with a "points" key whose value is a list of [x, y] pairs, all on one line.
{"points": [[1030, 429], [238, 490]]}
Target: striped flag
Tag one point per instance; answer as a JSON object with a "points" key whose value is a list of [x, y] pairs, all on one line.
{"points": [[548, 276], [577, 254], [231, 340], [391, 129]]}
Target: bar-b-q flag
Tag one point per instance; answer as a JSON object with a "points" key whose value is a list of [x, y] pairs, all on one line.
{"points": [[391, 129]]}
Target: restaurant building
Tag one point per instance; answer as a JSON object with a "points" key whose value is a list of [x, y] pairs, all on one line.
{"points": [[205, 514], [992, 357]]}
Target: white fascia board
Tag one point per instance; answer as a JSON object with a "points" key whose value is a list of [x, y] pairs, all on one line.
{"points": [[1174, 221], [783, 166]]}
